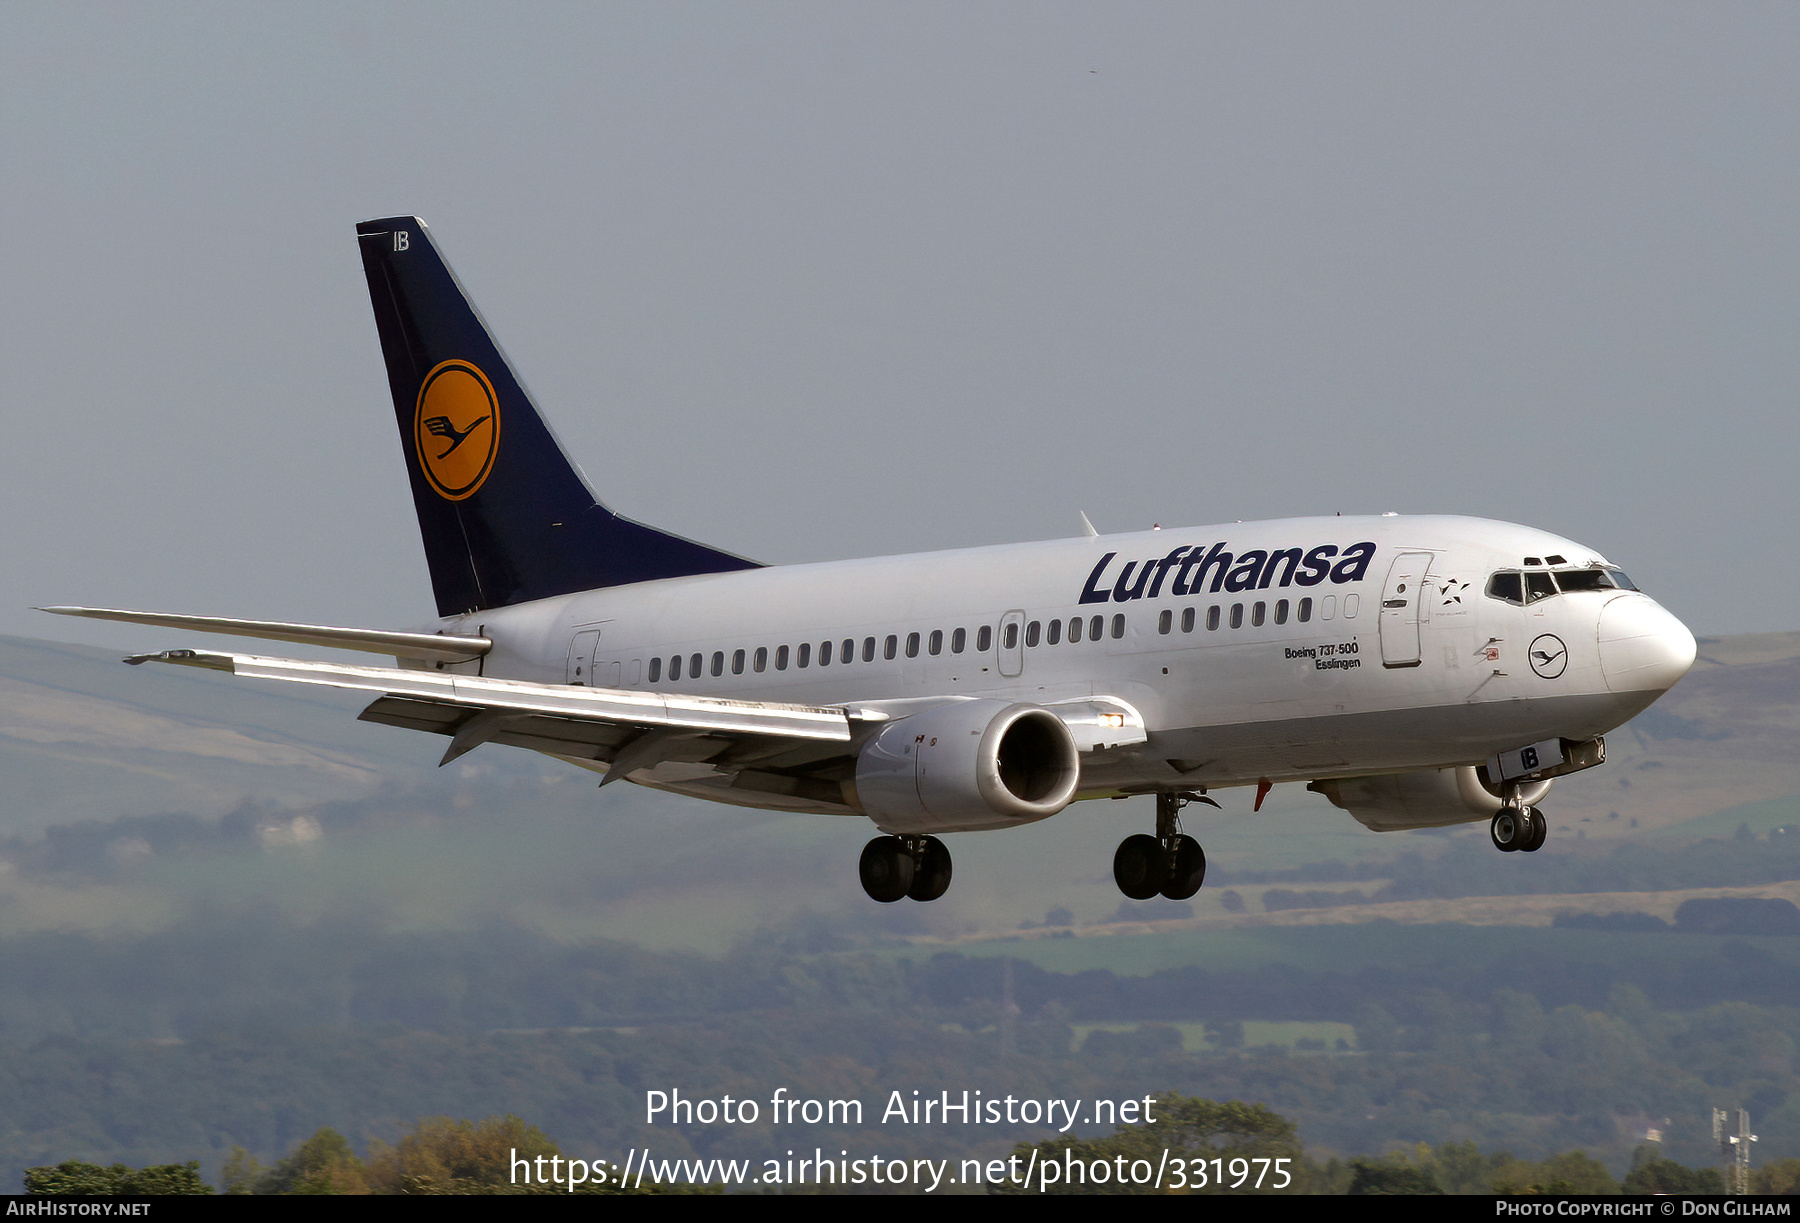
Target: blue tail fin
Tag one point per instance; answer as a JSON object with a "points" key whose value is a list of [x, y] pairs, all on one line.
{"points": [[506, 517]]}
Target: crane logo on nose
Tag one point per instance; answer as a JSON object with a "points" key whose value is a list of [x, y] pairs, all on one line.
{"points": [[456, 429], [1549, 656]]}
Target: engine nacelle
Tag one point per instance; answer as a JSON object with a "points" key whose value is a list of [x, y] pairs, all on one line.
{"points": [[1430, 798], [967, 765]]}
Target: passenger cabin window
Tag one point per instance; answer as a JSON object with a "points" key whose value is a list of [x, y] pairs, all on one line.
{"points": [[1096, 626], [912, 645], [762, 659], [849, 652], [1187, 619], [781, 658], [675, 667], [1281, 611], [1118, 626], [824, 653], [1053, 632], [1237, 615], [694, 666], [1212, 618], [984, 639], [737, 662], [655, 669], [1010, 635], [1257, 613], [934, 644], [1032, 631], [1305, 610], [1075, 630], [869, 649], [803, 655], [958, 640], [890, 647], [1165, 622]]}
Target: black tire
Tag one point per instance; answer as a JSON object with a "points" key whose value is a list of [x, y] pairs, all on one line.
{"points": [[1540, 829], [931, 874], [1189, 871], [886, 869], [1138, 867], [1509, 829]]}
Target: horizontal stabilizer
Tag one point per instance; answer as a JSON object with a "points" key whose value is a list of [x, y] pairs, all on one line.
{"points": [[611, 705], [426, 647]]}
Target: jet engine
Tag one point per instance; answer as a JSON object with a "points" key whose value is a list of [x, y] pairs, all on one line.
{"points": [[1430, 798], [967, 765]]}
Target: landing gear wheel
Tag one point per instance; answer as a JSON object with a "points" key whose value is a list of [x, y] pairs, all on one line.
{"points": [[886, 869], [1540, 828], [1188, 870], [931, 871], [1139, 867], [1510, 829]]}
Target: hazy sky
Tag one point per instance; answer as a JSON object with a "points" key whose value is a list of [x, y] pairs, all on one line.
{"points": [[809, 281]]}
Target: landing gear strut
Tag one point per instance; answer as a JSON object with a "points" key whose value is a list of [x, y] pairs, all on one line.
{"points": [[1170, 863], [1521, 829], [893, 867]]}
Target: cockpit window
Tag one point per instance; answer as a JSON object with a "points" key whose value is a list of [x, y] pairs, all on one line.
{"points": [[1510, 586], [1584, 579]]}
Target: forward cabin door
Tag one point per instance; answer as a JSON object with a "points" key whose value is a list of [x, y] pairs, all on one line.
{"points": [[1400, 599]]}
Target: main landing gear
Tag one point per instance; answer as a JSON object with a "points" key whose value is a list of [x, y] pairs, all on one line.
{"points": [[1520, 829], [893, 867], [1170, 863]]}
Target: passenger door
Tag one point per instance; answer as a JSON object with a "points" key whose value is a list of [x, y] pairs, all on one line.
{"points": [[1400, 598]]}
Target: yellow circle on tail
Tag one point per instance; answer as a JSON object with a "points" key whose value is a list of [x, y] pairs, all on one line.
{"points": [[456, 429]]}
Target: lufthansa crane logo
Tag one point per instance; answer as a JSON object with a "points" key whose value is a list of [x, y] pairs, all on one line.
{"points": [[1549, 655], [456, 429]]}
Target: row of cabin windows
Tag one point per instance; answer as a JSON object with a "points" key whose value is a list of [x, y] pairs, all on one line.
{"points": [[1259, 614], [1052, 632], [802, 655], [845, 652]]}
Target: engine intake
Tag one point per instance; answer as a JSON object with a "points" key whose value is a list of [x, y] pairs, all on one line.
{"points": [[965, 766]]}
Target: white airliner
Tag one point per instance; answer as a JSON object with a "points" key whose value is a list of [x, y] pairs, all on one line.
{"points": [[1416, 671]]}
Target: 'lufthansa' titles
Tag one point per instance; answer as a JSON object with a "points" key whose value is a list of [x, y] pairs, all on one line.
{"points": [[1256, 569]]}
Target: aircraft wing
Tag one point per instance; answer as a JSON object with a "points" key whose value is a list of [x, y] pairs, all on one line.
{"points": [[426, 647], [628, 730]]}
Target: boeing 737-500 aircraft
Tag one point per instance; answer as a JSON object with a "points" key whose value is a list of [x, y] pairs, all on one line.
{"points": [[1415, 671]]}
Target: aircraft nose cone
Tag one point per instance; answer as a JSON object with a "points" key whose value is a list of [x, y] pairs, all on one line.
{"points": [[1642, 647]]}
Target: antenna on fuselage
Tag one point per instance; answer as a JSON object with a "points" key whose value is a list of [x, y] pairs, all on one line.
{"points": [[1087, 528]]}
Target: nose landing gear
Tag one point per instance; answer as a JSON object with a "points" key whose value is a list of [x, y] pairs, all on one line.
{"points": [[1519, 829], [892, 867], [1170, 863]]}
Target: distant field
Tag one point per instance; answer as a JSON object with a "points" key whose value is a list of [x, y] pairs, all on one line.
{"points": [[1257, 1034], [1362, 948]]}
